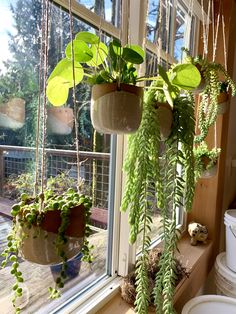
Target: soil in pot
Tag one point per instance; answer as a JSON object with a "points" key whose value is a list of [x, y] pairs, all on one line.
{"points": [[12, 114], [116, 109]]}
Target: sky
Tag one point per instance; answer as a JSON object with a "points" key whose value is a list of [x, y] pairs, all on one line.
{"points": [[5, 26]]}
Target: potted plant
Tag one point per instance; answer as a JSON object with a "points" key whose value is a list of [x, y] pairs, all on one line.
{"points": [[116, 102], [12, 113], [180, 77], [48, 229], [205, 161], [60, 120], [153, 179], [211, 73]]}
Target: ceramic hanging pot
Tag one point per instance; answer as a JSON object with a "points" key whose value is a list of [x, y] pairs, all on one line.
{"points": [[208, 173], [165, 115], [38, 242], [223, 102], [202, 84], [60, 120], [12, 114], [116, 109]]}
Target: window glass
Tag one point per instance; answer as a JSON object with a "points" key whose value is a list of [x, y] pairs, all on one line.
{"points": [[154, 29], [19, 71], [109, 10], [180, 32]]}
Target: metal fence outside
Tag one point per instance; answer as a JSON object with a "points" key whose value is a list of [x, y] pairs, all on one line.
{"points": [[94, 168]]}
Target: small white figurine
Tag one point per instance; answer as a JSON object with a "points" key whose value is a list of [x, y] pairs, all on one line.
{"points": [[197, 233]]}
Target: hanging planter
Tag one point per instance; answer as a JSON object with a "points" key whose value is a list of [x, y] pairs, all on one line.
{"points": [[60, 120], [165, 115], [205, 165], [202, 85], [38, 241], [223, 102], [12, 114], [116, 109]]}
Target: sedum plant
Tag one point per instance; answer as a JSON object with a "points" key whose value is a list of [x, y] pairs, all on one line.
{"points": [[212, 75], [204, 159], [153, 179], [27, 214]]}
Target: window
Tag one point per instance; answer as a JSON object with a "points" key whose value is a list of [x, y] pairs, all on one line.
{"points": [[101, 155]]}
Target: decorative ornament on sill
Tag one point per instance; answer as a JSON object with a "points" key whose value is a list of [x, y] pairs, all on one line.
{"points": [[198, 233]]}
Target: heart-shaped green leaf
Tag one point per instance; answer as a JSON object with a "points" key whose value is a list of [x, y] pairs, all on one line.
{"points": [[88, 37], [57, 91], [133, 54], [64, 70], [186, 76], [82, 53], [100, 53]]}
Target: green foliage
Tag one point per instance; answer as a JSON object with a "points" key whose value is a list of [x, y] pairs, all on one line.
{"points": [[150, 179], [102, 64], [204, 159], [212, 73], [30, 212]]}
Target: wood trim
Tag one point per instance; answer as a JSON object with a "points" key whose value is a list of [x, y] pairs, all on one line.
{"points": [[196, 264]]}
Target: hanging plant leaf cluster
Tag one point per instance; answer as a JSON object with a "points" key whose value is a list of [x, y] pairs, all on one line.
{"points": [[49, 236], [154, 180], [211, 90]]}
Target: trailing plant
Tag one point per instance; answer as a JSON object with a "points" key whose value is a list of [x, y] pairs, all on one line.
{"points": [[152, 178], [212, 73], [128, 288], [204, 159], [28, 214]]}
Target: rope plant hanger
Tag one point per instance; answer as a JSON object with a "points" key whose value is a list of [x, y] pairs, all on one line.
{"points": [[50, 226]]}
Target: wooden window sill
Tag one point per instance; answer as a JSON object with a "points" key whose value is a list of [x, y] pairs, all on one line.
{"points": [[194, 258]]}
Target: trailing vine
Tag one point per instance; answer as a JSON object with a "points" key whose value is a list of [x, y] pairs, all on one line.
{"points": [[150, 181], [143, 171], [179, 190]]}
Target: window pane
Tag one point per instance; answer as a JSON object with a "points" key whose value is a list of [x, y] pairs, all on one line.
{"points": [[154, 29], [19, 66], [109, 10], [180, 32]]}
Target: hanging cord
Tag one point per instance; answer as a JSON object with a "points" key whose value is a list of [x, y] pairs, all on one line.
{"points": [[159, 39], [36, 180], [215, 38], [205, 27], [224, 41], [44, 118], [167, 33], [74, 99]]}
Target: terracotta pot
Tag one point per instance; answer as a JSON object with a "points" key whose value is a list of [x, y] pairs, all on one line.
{"points": [[12, 114], [116, 110], [223, 102], [38, 242], [60, 120], [165, 115]]}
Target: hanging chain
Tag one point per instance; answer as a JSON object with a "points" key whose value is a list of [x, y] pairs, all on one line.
{"points": [[76, 111], [224, 41]]}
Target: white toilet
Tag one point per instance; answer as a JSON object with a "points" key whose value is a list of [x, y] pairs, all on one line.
{"points": [[205, 304]]}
